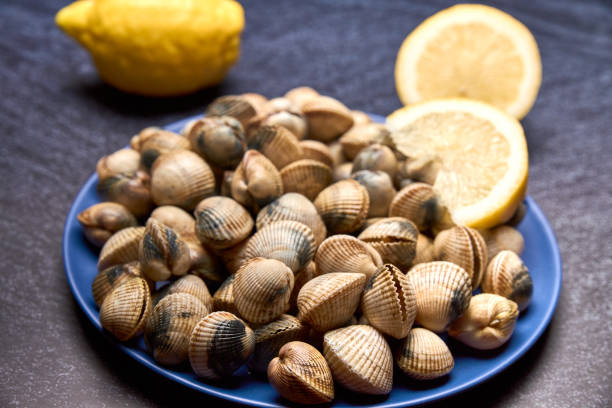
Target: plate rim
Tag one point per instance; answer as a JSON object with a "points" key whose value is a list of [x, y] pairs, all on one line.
{"points": [[556, 267]]}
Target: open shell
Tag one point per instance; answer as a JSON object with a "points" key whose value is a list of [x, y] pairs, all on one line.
{"points": [[508, 276], [345, 253], [162, 252], [380, 190], [419, 204], [327, 118], [306, 177], [256, 181], [314, 150], [423, 355], [465, 247], [236, 106], [278, 144], [126, 308], [121, 247], [343, 206], [221, 222], [189, 284], [394, 239], [443, 293], [219, 140], [111, 277], [360, 359], [102, 220]]}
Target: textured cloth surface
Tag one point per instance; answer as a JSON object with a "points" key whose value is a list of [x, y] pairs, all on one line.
{"points": [[57, 118]]}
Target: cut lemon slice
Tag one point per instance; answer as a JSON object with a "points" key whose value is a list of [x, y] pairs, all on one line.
{"points": [[471, 51], [482, 151]]}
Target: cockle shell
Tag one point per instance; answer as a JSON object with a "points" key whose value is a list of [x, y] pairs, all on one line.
{"points": [[234, 257], [327, 118], [221, 222], [189, 284], [181, 178], [335, 148], [360, 359], [256, 181], [301, 374], [508, 276], [376, 157], [389, 302], [380, 190], [360, 118], [443, 293], [343, 206], [394, 239], [262, 288], [422, 169], [419, 204], [102, 220], [300, 278], [152, 142], [307, 177], [169, 327], [220, 343], [256, 100], [162, 252], [424, 250], [290, 242], [108, 279], [329, 300], [121, 161], [465, 247], [301, 94], [346, 253], [286, 116], [226, 183], [204, 263], [223, 299], [131, 189], [502, 238], [361, 136], [278, 144], [423, 355], [236, 106], [271, 337], [121, 247], [315, 150], [176, 218], [342, 172], [296, 207], [221, 141], [487, 323], [126, 308]]}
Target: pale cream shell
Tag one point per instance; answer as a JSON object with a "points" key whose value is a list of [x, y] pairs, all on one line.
{"points": [[345, 253], [423, 355], [507, 276], [121, 247], [394, 239], [221, 222], [306, 177], [343, 206], [465, 247]]}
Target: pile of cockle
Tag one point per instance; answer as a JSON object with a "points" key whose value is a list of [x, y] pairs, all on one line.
{"points": [[324, 244]]}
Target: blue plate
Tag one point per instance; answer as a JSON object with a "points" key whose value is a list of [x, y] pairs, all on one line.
{"points": [[541, 256]]}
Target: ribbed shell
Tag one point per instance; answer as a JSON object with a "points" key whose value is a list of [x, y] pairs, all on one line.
{"points": [[360, 359], [169, 327], [102, 220], [301, 374], [301, 277], [290, 118], [345, 253], [131, 189], [424, 250], [380, 190], [487, 323], [221, 141], [443, 293], [162, 252], [389, 302], [223, 299], [306, 177], [361, 136], [181, 178], [424, 355], [220, 343], [327, 118], [343, 206], [236, 106], [126, 308], [329, 300], [176, 218], [256, 100], [271, 337], [465, 247], [153, 144], [394, 239], [121, 247], [502, 238], [296, 207], [204, 263], [376, 157], [508, 276], [262, 288], [121, 161], [290, 242], [256, 181], [221, 222], [189, 284], [342, 171], [419, 204], [314, 150], [278, 144], [111, 277]]}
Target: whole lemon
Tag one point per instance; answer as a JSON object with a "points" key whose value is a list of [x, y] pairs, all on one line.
{"points": [[157, 47]]}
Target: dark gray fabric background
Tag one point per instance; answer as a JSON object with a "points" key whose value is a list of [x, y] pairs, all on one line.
{"points": [[57, 119]]}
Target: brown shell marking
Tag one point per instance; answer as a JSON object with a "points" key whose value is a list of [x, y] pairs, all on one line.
{"points": [[126, 308], [176, 218], [223, 299], [419, 204], [380, 190], [306, 177], [256, 181], [424, 250], [221, 141], [121, 247], [189, 284], [131, 189], [221, 222], [153, 142], [423, 355], [236, 106], [108, 279], [376, 157], [394, 239], [119, 162], [348, 254], [278, 144], [465, 247], [343, 206], [162, 252], [102, 220], [508, 276]]}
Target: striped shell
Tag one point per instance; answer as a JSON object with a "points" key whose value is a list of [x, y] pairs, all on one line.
{"points": [[236, 106], [108, 279], [153, 143], [327, 118], [176, 218], [131, 189], [189, 284], [508, 276], [256, 100], [221, 141], [394, 239], [220, 343], [314, 150], [345, 253], [300, 278], [301, 374], [262, 288], [423, 355], [361, 136], [102, 220], [126, 308], [290, 242], [169, 327], [419, 204], [389, 302], [223, 299], [256, 181], [181, 178], [380, 191], [343, 206], [162, 252], [443, 293], [360, 359], [487, 323], [465, 247], [289, 118], [329, 300], [271, 337], [424, 250], [121, 247], [221, 222], [278, 144], [376, 157], [296, 207], [502, 238], [306, 177]]}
